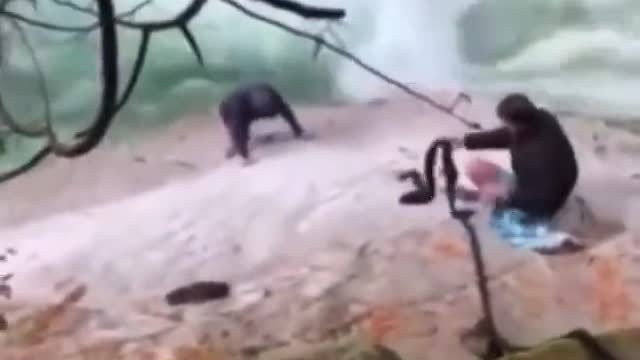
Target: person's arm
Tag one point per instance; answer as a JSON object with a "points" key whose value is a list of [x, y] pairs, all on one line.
{"points": [[499, 138]]}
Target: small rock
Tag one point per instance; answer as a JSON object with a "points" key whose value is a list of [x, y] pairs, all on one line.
{"points": [[198, 292]]}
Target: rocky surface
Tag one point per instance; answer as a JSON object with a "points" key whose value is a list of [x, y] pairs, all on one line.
{"points": [[315, 248]]}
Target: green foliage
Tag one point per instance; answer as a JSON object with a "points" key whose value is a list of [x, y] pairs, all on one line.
{"points": [[624, 344]]}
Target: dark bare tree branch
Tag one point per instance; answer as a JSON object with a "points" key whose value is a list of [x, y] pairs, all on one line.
{"points": [[181, 21], [44, 25], [328, 29], [106, 113], [111, 105], [24, 168], [306, 11], [109, 57], [137, 70], [157, 25], [72, 29], [90, 10], [109, 51], [33, 131]]}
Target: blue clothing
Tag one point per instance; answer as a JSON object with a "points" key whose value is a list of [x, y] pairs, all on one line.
{"points": [[522, 231], [517, 227]]}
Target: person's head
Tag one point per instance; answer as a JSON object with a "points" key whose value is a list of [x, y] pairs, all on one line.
{"points": [[516, 111]]}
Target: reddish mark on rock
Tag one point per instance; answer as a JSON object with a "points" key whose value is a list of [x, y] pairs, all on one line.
{"points": [[381, 322], [449, 248], [145, 355], [612, 301]]}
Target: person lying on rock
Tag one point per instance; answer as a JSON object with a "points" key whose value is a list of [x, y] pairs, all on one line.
{"points": [[544, 165]]}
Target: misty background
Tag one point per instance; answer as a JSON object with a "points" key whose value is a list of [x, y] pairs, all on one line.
{"points": [[573, 55]]}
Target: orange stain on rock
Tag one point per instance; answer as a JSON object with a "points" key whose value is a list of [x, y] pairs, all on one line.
{"points": [[449, 248], [197, 353], [532, 290], [612, 302], [144, 355], [382, 322]]}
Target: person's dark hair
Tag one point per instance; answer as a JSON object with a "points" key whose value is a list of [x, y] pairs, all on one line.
{"points": [[517, 109]]}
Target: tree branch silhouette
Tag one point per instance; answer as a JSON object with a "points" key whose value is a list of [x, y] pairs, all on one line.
{"points": [[73, 29], [306, 11], [32, 131], [111, 103], [102, 121], [90, 10]]}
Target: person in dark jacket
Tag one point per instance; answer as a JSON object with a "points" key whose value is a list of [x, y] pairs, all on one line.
{"points": [[544, 165]]}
